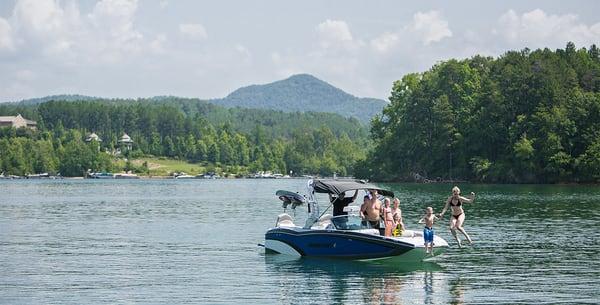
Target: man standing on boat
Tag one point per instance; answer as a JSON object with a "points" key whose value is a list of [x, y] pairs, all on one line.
{"points": [[371, 210], [340, 202]]}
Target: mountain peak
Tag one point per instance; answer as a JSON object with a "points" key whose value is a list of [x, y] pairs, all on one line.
{"points": [[303, 92], [302, 77]]}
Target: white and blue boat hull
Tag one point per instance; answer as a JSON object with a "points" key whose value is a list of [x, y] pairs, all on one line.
{"points": [[345, 245]]}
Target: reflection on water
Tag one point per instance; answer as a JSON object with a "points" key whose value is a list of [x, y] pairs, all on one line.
{"points": [[457, 291], [379, 282], [345, 268]]}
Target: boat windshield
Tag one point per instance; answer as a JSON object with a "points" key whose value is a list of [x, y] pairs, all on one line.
{"points": [[348, 222]]}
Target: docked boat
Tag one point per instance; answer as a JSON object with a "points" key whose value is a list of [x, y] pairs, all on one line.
{"points": [[344, 236], [183, 175], [209, 175], [38, 176], [126, 176], [102, 176]]}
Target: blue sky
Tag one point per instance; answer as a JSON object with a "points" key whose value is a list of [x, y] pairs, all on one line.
{"points": [[128, 48]]}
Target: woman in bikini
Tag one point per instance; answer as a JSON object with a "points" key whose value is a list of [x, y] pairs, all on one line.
{"points": [[455, 202], [388, 217]]}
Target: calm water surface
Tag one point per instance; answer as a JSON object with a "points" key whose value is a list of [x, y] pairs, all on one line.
{"points": [[195, 241]]}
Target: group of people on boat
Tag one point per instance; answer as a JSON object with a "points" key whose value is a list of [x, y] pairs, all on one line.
{"points": [[382, 216], [387, 216]]}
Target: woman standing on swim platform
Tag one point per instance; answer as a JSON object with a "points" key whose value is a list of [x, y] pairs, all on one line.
{"points": [[455, 202]]}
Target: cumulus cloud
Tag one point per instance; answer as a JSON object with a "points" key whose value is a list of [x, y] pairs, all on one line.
{"points": [[385, 42], [424, 29], [193, 31], [113, 26], [45, 26], [107, 33], [431, 26], [539, 29], [334, 33]]}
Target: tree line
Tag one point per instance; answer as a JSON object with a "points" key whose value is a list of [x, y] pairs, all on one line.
{"points": [[241, 140], [527, 116]]}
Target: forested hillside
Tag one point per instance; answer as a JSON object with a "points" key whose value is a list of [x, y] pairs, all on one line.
{"points": [[237, 140], [527, 116], [303, 92]]}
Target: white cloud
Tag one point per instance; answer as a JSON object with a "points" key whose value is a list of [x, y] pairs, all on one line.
{"points": [[334, 33], [6, 40], [424, 29], [41, 17], [194, 31], [113, 27], [431, 26], [539, 29], [47, 28], [163, 4], [385, 42]]}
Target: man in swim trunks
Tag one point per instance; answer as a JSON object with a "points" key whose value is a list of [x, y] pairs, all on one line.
{"points": [[455, 202], [371, 211]]}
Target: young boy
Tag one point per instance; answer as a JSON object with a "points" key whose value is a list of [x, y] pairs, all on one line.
{"points": [[428, 220]]}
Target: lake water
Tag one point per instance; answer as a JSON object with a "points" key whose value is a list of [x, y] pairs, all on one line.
{"points": [[195, 241]]}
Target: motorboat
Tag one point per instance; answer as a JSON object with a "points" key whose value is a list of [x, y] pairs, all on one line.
{"points": [[102, 176], [38, 176], [126, 176], [183, 175], [343, 236], [209, 175]]}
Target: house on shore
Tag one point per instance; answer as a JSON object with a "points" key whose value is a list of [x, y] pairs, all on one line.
{"points": [[125, 142], [17, 122], [93, 137]]}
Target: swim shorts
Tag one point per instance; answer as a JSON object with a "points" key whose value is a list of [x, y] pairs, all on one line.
{"points": [[428, 234]]}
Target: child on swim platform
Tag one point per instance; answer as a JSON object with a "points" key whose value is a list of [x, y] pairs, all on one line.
{"points": [[428, 220]]}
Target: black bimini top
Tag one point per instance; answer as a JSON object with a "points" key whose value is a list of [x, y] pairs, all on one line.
{"points": [[340, 186]]}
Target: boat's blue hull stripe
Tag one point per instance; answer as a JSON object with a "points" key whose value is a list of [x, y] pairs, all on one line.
{"points": [[351, 245]]}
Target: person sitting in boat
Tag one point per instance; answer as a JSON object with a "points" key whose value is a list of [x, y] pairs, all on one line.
{"points": [[397, 214], [388, 217], [371, 211], [340, 202]]}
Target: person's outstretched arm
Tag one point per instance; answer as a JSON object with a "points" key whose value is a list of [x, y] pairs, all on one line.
{"points": [[468, 200]]}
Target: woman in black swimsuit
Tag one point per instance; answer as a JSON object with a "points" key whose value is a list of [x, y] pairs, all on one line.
{"points": [[458, 214]]}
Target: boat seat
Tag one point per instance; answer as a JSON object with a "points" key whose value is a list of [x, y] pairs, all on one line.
{"points": [[285, 220], [323, 222]]}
